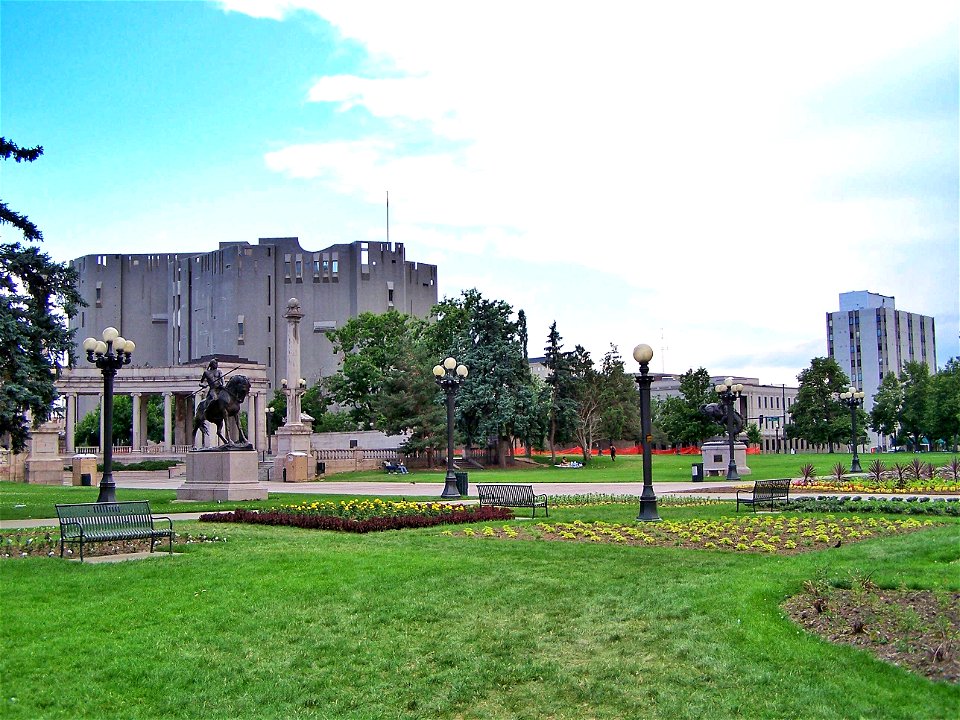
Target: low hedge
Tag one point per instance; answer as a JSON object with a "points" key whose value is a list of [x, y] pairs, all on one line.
{"points": [[896, 506]]}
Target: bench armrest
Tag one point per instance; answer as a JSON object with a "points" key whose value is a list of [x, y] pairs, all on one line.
{"points": [[164, 517], [70, 523]]}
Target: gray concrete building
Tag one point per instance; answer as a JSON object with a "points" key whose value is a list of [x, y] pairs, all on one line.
{"points": [[180, 308], [869, 337]]}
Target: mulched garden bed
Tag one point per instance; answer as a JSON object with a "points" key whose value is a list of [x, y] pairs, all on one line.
{"points": [[916, 629], [41, 543]]}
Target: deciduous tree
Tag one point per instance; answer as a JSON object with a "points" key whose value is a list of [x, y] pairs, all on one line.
{"points": [[817, 414]]}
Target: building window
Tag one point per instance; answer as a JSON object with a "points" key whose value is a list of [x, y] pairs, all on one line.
{"points": [[99, 294], [240, 329]]}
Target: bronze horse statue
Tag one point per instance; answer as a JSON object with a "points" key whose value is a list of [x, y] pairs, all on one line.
{"points": [[717, 413], [225, 409]]}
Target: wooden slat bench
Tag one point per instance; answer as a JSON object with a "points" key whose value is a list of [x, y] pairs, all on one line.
{"points": [[100, 522], [512, 496], [765, 492]]}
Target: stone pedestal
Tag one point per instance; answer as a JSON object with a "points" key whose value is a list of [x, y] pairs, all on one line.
{"points": [[43, 465], [716, 457], [293, 454], [222, 475], [85, 465]]}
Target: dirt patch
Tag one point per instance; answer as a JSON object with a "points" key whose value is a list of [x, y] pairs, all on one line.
{"points": [[916, 629]]}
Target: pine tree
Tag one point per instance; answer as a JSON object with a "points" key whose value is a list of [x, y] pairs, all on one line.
{"points": [[35, 295]]}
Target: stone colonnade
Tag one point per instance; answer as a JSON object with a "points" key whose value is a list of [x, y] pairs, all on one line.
{"points": [[181, 391]]}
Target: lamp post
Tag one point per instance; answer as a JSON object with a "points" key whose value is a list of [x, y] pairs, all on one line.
{"points": [[728, 392], [853, 399], [449, 377], [643, 354], [109, 354], [269, 433]]}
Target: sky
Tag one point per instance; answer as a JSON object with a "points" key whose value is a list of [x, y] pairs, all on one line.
{"points": [[702, 177]]}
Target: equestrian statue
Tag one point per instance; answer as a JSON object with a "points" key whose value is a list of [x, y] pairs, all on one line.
{"points": [[222, 407], [718, 413]]}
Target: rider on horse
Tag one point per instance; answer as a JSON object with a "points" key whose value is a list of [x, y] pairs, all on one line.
{"points": [[213, 378]]}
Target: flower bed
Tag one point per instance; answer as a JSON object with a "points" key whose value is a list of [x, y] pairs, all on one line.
{"points": [[588, 499], [363, 516], [46, 543], [868, 485], [783, 535]]}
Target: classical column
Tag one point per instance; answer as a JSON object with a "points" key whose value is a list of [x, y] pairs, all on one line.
{"points": [[137, 434], [71, 420], [293, 315], [167, 422]]}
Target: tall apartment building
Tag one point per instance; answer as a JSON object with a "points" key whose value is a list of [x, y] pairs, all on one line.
{"points": [[180, 308], [869, 338]]}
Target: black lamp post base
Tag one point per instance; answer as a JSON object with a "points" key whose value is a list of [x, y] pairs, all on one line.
{"points": [[108, 491], [648, 511], [855, 465], [732, 473], [450, 491]]}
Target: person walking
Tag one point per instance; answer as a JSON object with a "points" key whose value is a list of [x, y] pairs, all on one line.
{"points": [[613, 452]]}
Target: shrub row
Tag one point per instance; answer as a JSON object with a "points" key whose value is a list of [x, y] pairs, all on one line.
{"points": [[896, 506], [374, 524]]}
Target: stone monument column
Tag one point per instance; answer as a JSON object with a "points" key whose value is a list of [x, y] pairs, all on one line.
{"points": [[293, 438]]}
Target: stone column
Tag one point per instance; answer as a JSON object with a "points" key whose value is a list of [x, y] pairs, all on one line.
{"points": [[71, 421], [167, 422], [137, 434], [293, 315]]}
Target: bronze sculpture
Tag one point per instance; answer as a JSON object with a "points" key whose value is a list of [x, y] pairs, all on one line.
{"points": [[717, 413], [224, 408]]}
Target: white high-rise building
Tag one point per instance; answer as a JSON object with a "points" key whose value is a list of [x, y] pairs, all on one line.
{"points": [[869, 338]]}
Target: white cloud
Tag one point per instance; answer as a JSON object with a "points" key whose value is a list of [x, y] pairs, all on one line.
{"points": [[669, 149]]}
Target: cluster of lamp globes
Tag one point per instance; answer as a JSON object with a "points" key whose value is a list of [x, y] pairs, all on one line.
{"points": [[729, 386], [450, 364], [301, 383], [852, 394], [111, 341]]}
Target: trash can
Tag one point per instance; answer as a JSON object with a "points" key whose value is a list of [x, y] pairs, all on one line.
{"points": [[463, 486], [696, 470]]}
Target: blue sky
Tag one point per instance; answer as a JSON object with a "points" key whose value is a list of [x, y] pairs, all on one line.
{"points": [[703, 177]]}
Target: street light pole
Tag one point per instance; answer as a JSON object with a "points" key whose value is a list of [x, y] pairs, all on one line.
{"points": [[109, 354], [853, 399], [449, 377], [728, 392], [643, 354]]}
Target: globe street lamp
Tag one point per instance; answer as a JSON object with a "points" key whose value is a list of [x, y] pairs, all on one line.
{"points": [[853, 399], [728, 392], [643, 354], [109, 354], [449, 376], [270, 412]]}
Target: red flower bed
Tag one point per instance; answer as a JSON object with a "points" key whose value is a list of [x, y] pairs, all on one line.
{"points": [[375, 524]]}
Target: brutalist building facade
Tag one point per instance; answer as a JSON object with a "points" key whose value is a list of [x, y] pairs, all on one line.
{"points": [[181, 308]]}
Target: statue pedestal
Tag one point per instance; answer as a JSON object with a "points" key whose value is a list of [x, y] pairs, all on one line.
{"points": [[222, 475], [43, 465], [292, 462], [716, 458]]}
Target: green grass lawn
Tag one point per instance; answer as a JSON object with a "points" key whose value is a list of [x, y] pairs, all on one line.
{"points": [[286, 623], [19, 501], [666, 468]]}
